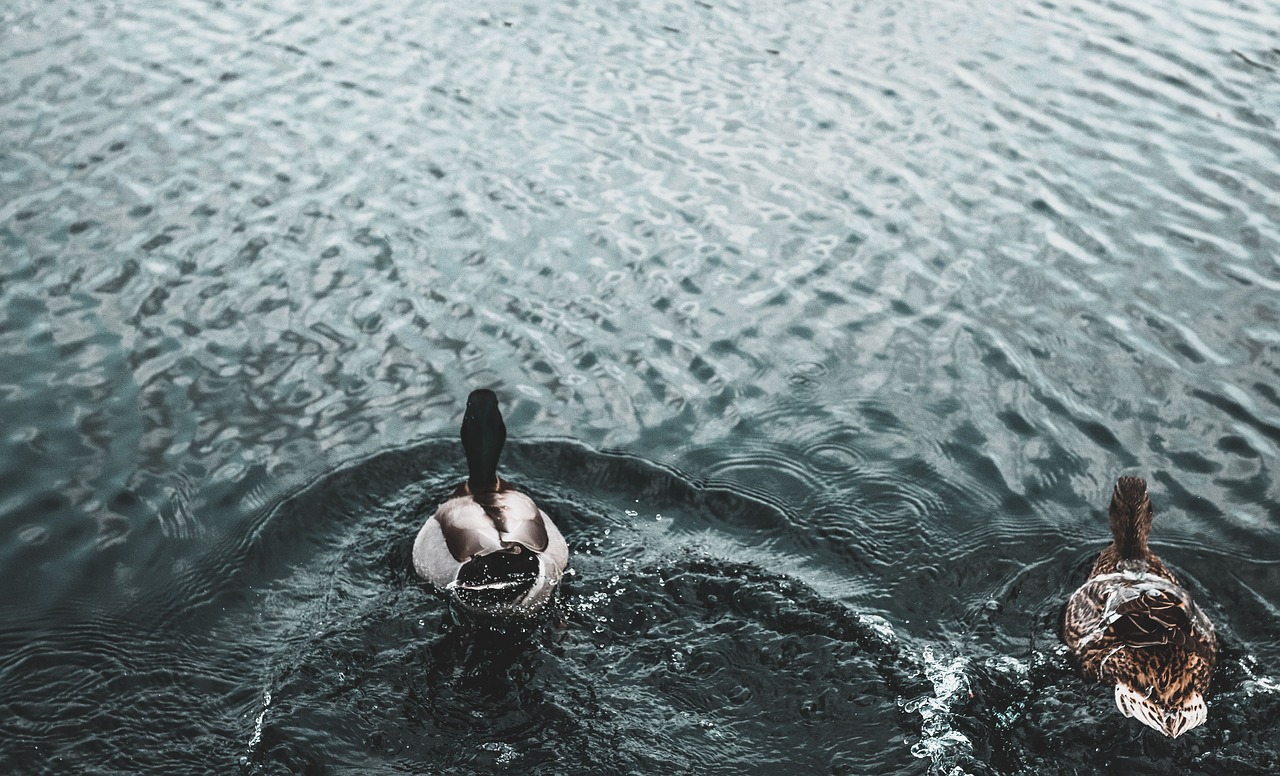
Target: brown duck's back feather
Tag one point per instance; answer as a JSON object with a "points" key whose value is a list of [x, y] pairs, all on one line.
{"points": [[1110, 562], [1132, 624]]}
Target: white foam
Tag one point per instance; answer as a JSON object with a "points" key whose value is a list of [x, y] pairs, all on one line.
{"points": [[1256, 683], [506, 752], [939, 741], [257, 723], [880, 626]]}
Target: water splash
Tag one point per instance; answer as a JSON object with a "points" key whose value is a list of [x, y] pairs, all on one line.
{"points": [[257, 727], [939, 741], [1255, 683]]}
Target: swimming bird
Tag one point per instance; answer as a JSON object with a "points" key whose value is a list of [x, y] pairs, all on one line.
{"points": [[1132, 624], [489, 546]]}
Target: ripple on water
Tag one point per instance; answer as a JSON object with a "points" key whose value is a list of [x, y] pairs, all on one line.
{"points": [[310, 642], [663, 659], [906, 289], [310, 645]]}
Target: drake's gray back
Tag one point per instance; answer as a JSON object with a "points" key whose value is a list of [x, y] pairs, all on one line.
{"points": [[491, 522]]}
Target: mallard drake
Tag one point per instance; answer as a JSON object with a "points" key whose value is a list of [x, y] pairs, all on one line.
{"points": [[1134, 625], [489, 545]]}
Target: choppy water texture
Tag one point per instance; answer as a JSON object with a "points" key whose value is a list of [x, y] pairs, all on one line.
{"points": [[822, 329]]}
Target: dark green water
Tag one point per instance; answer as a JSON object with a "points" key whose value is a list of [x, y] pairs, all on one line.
{"points": [[822, 329]]}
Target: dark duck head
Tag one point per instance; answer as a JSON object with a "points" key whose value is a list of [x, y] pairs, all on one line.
{"points": [[483, 435], [1133, 625], [489, 546]]}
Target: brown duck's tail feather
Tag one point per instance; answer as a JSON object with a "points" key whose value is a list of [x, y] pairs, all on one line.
{"points": [[1172, 720], [1130, 517]]}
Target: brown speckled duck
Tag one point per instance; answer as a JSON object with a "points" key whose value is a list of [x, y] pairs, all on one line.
{"points": [[1133, 625], [489, 546]]}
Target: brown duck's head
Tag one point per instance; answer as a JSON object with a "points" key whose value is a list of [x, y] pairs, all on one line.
{"points": [[1130, 517]]}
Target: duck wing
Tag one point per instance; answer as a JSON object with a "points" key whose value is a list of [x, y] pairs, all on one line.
{"points": [[517, 518], [1152, 612], [491, 522]]}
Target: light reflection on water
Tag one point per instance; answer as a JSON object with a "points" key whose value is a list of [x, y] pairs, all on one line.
{"points": [[889, 295]]}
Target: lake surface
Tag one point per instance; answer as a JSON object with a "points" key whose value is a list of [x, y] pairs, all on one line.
{"points": [[822, 329]]}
